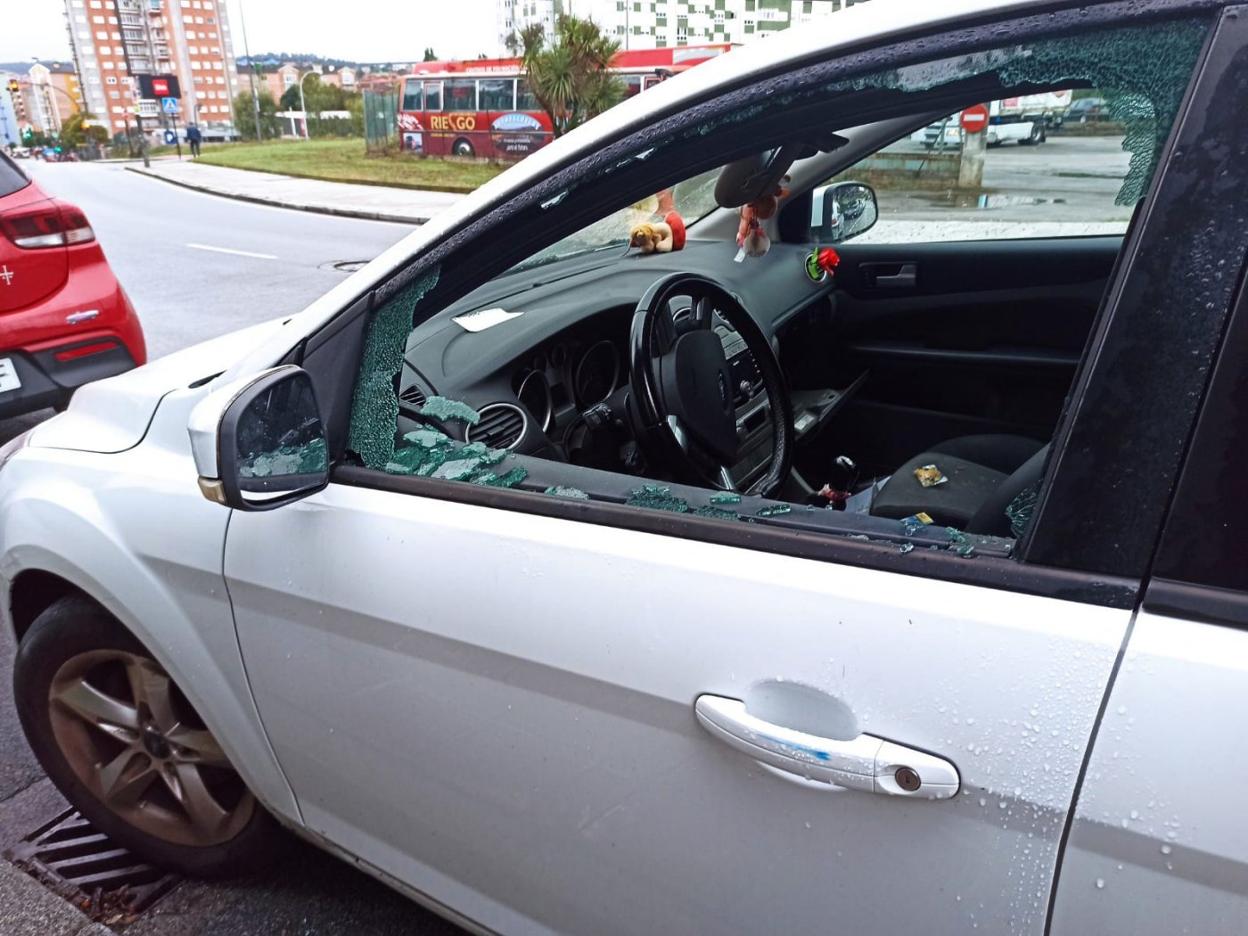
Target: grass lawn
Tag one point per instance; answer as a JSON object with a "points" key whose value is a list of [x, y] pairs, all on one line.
{"points": [[346, 161]]}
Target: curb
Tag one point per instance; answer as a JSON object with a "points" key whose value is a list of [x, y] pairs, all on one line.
{"points": [[274, 203]]}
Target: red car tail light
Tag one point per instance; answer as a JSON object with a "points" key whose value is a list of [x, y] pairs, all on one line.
{"points": [[47, 226]]}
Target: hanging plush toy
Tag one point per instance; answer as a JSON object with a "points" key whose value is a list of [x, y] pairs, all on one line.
{"points": [[751, 236]]}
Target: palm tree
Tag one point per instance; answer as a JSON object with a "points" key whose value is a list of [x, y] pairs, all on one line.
{"points": [[571, 78]]}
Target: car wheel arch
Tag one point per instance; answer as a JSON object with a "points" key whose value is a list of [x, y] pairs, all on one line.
{"points": [[221, 698], [33, 592]]}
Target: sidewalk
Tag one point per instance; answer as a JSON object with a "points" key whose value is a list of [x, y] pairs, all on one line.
{"points": [[371, 202]]}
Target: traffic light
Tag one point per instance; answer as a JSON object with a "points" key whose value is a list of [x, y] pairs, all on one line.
{"points": [[14, 87]]}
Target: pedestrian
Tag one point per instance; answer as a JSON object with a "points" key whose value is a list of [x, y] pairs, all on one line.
{"points": [[194, 137]]}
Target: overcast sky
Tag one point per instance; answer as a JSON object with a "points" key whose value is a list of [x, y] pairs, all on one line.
{"points": [[363, 30]]}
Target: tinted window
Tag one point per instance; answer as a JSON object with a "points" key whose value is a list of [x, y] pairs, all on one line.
{"points": [[411, 95], [497, 93], [461, 94], [433, 95], [11, 178]]}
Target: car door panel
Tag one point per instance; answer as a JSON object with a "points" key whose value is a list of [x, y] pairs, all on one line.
{"points": [[1159, 844], [511, 725], [985, 338]]}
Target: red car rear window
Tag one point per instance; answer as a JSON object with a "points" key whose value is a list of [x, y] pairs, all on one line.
{"points": [[11, 177]]}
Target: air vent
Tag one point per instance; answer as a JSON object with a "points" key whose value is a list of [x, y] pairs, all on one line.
{"points": [[501, 426], [413, 397]]}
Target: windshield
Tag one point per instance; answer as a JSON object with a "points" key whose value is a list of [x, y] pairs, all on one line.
{"points": [[693, 199]]}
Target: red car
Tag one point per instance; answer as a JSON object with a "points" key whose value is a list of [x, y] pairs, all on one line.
{"points": [[64, 318]]}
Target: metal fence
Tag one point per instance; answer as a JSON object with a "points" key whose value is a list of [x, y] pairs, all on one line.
{"points": [[381, 125]]}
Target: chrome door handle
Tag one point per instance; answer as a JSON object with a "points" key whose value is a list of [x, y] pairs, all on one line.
{"points": [[867, 763]]}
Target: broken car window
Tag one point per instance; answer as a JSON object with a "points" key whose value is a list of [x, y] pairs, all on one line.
{"points": [[526, 383]]}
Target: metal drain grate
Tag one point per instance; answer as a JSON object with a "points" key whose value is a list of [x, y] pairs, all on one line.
{"points": [[71, 857]]}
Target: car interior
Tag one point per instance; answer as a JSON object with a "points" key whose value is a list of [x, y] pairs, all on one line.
{"points": [[898, 390]]}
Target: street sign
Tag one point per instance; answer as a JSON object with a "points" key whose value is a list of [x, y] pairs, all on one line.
{"points": [[171, 137], [169, 105], [975, 118]]}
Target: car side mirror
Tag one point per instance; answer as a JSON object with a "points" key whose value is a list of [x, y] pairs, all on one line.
{"points": [[261, 444], [842, 210]]}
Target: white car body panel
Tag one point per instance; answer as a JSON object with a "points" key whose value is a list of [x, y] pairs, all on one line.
{"points": [[498, 709], [1154, 849], [112, 415], [132, 531]]}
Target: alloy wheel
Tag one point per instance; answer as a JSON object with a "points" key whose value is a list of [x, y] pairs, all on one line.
{"points": [[138, 746]]}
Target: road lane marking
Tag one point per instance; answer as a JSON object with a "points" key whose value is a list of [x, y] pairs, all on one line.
{"points": [[230, 250]]}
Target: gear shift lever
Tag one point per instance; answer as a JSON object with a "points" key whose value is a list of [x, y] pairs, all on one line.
{"points": [[836, 492], [844, 474]]}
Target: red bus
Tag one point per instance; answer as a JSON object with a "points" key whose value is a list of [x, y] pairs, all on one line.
{"points": [[483, 107]]}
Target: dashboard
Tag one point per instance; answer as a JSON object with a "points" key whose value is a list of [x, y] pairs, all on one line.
{"points": [[538, 352]]}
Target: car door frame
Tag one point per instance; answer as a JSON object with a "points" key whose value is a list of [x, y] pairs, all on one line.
{"points": [[1093, 566]]}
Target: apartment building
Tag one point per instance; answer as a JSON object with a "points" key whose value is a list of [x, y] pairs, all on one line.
{"points": [[115, 41], [514, 15], [51, 94], [647, 24]]}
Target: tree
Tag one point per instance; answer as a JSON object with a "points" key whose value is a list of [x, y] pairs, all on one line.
{"points": [[430, 55], [571, 78], [77, 130], [245, 119]]}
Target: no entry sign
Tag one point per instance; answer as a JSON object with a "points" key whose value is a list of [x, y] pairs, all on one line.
{"points": [[975, 118]]}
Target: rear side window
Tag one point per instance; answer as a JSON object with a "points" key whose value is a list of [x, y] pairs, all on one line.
{"points": [[11, 177]]}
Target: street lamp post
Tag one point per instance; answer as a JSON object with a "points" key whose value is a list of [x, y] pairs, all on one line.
{"points": [[304, 107], [251, 67]]}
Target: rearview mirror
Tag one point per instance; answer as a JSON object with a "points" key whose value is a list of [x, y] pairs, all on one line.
{"points": [[270, 443], [842, 210]]}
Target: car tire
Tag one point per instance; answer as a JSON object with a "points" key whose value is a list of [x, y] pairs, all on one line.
{"points": [[75, 651], [462, 147]]}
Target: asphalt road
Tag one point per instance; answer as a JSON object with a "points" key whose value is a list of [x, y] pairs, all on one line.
{"points": [[185, 294]]}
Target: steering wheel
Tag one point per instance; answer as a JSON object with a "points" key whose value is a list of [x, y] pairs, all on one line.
{"points": [[683, 388]]}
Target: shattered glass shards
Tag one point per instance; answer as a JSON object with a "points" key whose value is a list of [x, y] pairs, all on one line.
{"points": [[429, 453], [657, 497], [773, 510], [915, 522], [726, 497], [310, 458], [509, 479], [907, 547], [426, 437], [375, 404], [711, 512], [1141, 72], [459, 469], [959, 542], [1020, 509], [445, 410], [560, 490]]}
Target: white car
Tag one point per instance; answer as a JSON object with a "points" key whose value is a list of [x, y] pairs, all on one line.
{"points": [[777, 572]]}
